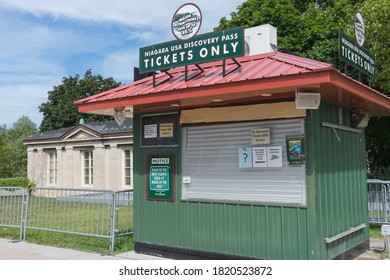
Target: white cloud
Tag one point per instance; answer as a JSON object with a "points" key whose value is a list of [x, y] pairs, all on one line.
{"points": [[43, 41], [22, 100], [153, 14], [119, 65]]}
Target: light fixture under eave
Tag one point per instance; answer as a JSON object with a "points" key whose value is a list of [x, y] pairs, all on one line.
{"points": [[266, 94], [307, 100], [119, 115], [217, 100]]}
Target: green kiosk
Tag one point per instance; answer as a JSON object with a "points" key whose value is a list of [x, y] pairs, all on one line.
{"points": [[245, 156]]}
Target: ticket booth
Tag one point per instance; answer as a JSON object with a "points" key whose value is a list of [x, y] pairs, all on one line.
{"points": [[245, 165], [245, 157]]}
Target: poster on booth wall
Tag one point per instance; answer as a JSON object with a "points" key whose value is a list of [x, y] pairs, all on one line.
{"points": [[274, 156], [259, 156], [159, 177], [245, 157], [261, 136], [295, 149]]}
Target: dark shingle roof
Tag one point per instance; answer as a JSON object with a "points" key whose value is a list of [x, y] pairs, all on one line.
{"points": [[102, 128]]}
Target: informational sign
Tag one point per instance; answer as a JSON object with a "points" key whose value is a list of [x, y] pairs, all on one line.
{"points": [[259, 156], [160, 174], [295, 149], [166, 130], [160, 130], [359, 29], [202, 48], [150, 131], [261, 136], [356, 56], [245, 157], [186, 21], [274, 156]]}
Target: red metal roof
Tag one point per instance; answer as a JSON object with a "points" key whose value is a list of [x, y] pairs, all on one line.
{"points": [[274, 72]]}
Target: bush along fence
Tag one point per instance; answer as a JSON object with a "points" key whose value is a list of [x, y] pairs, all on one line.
{"points": [[16, 182], [96, 213]]}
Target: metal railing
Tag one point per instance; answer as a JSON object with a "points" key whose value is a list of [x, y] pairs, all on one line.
{"points": [[96, 213], [12, 207], [378, 201]]}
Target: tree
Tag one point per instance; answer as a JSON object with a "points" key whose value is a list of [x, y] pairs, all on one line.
{"points": [[376, 15], [13, 153], [312, 31], [59, 111], [279, 13], [6, 166], [320, 27]]}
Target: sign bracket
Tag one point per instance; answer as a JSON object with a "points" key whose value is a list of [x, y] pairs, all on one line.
{"points": [[224, 73], [163, 81], [195, 75]]}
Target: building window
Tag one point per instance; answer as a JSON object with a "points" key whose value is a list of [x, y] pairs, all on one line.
{"points": [[88, 167], [53, 168], [128, 168]]}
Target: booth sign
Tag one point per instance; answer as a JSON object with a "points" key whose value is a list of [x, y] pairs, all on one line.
{"points": [[160, 177], [202, 48]]}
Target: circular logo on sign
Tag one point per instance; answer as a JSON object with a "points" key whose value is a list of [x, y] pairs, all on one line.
{"points": [[359, 29], [186, 21]]}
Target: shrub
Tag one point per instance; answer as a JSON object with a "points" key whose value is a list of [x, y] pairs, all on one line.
{"points": [[16, 182]]}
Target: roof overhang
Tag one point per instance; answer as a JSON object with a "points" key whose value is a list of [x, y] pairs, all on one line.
{"points": [[333, 86]]}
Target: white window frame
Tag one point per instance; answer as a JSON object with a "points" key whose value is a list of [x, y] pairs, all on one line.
{"points": [[52, 170], [89, 168], [125, 167]]}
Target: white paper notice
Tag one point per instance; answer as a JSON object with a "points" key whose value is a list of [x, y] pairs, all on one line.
{"points": [[274, 156], [259, 156], [150, 131]]}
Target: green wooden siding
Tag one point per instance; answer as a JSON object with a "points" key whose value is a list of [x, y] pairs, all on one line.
{"points": [[336, 201], [337, 183]]}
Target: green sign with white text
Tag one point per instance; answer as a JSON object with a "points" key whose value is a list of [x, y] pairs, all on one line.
{"points": [[199, 49], [356, 56], [160, 177]]}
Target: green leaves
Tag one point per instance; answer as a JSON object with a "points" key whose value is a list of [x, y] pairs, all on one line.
{"points": [[59, 111], [13, 153], [310, 29]]}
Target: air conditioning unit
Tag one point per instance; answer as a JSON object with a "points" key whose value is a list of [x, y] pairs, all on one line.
{"points": [[258, 39]]}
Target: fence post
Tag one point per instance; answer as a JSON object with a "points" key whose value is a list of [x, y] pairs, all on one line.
{"points": [[24, 215], [112, 225]]}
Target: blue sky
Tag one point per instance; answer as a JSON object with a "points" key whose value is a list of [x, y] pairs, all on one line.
{"points": [[43, 41]]}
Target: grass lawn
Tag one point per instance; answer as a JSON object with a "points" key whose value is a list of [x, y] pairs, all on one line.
{"points": [[375, 231], [72, 241]]}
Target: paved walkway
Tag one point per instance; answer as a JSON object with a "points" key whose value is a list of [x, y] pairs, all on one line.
{"points": [[20, 250]]}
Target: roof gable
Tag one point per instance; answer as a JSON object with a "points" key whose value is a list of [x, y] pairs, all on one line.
{"points": [[80, 133], [84, 132]]}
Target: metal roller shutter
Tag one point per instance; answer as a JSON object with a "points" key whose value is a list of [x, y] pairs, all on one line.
{"points": [[210, 159]]}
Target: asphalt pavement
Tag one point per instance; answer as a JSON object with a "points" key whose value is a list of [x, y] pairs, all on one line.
{"points": [[21, 250]]}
